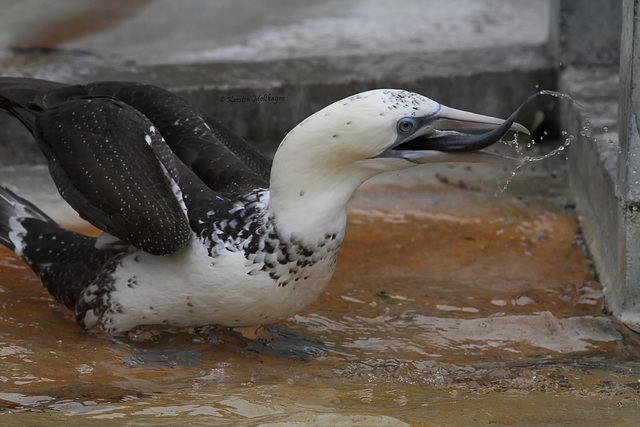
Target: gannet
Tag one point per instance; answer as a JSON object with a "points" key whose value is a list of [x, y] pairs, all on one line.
{"points": [[198, 227]]}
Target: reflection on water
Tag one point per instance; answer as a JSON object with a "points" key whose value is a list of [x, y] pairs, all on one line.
{"points": [[436, 336], [447, 305]]}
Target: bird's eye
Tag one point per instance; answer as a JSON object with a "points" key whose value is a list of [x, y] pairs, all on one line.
{"points": [[405, 125]]}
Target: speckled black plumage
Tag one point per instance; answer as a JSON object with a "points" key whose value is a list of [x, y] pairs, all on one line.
{"points": [[66, 262], [94, 137], [118, 152], [105, 170], [222, 160]]}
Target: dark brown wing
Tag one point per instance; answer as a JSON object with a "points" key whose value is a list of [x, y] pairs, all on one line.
{"points": [[221, 159], [101, 158], [95, 139]]}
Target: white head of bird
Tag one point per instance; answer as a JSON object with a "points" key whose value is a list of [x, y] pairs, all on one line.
{"points": [[326, 157]]}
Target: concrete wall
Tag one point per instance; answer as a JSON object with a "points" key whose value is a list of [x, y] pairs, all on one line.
{"points": [[628, 293], [605, 165], [586, 32]]}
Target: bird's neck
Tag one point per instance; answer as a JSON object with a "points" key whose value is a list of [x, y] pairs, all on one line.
{"points": [[310, 202]]}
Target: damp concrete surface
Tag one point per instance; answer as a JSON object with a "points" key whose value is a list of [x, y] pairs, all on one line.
{"points": [[453, 303]]}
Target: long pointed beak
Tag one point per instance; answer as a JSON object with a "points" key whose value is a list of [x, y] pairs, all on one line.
{"points": [[459, 120], [451, 135]]}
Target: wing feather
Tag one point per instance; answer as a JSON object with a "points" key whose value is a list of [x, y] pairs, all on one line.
{"points": [[102, 161], [220, 158], [95, 138]]}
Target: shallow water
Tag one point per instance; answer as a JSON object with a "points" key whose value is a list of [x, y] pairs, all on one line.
{"points": [[449, 306]]}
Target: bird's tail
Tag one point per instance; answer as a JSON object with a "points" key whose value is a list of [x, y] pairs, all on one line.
{"points": [[18, 219], [58, 256]]}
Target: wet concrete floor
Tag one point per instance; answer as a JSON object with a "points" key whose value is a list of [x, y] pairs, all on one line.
{"points": [[451, 305]]}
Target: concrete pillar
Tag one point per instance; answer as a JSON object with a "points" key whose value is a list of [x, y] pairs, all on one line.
{"points": [[627, 299], [604, 169], [585, 32]]}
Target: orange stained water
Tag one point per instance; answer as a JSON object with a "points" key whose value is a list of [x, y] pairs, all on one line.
{"points": [[448, 307]]}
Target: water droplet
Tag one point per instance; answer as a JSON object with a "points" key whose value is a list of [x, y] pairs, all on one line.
{"points": [[519, 149]]}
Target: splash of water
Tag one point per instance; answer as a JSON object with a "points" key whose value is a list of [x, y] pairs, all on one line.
{"points": [[523, 157]]}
